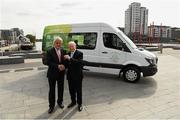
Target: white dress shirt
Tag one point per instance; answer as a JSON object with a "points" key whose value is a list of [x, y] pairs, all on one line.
{"points": [[72, 53]]}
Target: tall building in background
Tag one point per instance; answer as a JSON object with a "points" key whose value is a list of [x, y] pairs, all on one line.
{"points": [[144, 21], [136, 19]]}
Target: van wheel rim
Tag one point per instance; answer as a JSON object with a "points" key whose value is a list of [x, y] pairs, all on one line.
{"points": [[131, 75]]}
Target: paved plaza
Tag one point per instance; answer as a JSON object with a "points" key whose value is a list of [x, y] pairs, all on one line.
{"points": [[24, 93]]}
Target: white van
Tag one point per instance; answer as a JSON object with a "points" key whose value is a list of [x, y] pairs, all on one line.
{"points": [[104, 46]]}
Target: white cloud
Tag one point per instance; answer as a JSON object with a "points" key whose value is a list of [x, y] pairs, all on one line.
{"points": [[33, 15]]}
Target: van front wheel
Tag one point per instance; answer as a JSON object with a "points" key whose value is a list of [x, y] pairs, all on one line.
{"points": [[131, 74]]}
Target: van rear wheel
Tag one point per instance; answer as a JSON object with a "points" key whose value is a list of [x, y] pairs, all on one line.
{"points": [[131, 74]]}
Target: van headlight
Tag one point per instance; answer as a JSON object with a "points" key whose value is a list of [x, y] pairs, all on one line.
{"points": [[150, 61]]}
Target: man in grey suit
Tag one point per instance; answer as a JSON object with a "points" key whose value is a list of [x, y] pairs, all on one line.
{"points": [[74, 74]]}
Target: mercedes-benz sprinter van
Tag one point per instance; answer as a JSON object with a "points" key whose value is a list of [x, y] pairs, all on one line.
{"points": [[103, 46]]}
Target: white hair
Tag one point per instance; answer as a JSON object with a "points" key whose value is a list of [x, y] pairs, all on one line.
{"points": [[57, 39], [72, 42]]}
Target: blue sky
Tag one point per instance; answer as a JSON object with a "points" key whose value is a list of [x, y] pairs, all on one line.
{"points": [[33, 15]]}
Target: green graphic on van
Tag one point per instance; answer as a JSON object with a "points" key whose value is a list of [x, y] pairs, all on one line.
{"points": [[83, 40], [51, 32], [58, 29]]}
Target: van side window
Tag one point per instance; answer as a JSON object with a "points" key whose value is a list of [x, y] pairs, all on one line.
{"points": [[112, 41], [84, 40]]}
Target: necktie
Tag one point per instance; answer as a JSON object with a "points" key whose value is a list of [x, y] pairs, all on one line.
{"points": [[58, 54]]}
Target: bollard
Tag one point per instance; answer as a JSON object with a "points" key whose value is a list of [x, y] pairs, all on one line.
{"points": [[161, 48]]}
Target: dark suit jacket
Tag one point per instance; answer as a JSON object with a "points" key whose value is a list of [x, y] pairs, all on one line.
{"points": [[53, 62], [75, 66]]}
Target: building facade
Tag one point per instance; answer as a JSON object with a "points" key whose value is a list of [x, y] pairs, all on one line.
{"points": [[10, 35], [136, 19], [159, 31], [175, 33]]}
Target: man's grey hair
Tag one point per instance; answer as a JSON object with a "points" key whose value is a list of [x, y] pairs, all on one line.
{"points": [[58, 39], [72, 42]]}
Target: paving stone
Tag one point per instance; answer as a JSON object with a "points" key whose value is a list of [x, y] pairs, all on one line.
{"points": [[140, 115], [140, 107], [102, 115], [122, 112], [96, 108]]}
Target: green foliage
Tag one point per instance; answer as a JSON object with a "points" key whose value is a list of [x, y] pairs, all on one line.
{"points": [[32, 38]]}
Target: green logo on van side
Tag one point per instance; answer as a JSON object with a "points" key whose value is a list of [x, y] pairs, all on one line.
{"points": [[58, 29], [50, 32]]}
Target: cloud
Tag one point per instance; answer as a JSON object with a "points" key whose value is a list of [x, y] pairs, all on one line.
{"points": [[33, 15], [78, 5], [70, 4], [23, 14]]}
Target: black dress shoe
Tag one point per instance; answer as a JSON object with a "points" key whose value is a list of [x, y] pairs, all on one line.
{"points": [[61, 105], [71, 105], [50, 110], [80, 108]]}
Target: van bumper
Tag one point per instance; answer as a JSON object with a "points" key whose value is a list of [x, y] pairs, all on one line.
{"points": [[149, 70]]}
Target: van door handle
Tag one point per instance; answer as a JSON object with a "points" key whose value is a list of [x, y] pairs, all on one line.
{"points": [[104, 52]]}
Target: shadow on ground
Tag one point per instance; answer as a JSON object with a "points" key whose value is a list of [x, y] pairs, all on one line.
{"points": [[98, 88]]}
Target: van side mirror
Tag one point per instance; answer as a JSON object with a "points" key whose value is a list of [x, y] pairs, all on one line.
{"points": [[121, 46], [125, 48]]}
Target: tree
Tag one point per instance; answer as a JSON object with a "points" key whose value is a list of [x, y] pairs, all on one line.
{"points": [[32, 38]]}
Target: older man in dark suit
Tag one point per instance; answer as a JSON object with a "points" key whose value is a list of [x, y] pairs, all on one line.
{"points": [[75, 75], [55, 73]]}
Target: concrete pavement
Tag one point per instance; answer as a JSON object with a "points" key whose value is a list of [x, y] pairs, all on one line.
{"points": [[23, 94]]}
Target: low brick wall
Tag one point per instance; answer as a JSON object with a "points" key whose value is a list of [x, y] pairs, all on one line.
{"points": [[17, 52], [176, 47], [4, 60], [33, 55], [152, 48], [27, 55]]}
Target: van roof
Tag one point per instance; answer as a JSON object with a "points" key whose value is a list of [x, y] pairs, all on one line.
{"points": [[81, 24], [66, 28]]}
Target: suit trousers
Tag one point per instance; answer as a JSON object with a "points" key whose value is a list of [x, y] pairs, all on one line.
{"points": [[52, 90], [75, 89]]}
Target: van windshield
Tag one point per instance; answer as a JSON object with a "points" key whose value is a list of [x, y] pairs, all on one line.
{"points": [[129, 41]]}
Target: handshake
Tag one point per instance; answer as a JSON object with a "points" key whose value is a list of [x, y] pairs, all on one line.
{"points": [[61, 66], [67, 57]]}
